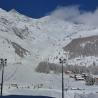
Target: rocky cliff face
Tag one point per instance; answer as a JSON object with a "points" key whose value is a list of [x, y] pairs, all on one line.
{"points": [[87, 46]]}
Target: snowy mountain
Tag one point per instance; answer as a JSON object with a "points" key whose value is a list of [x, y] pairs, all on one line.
{"points": [[26, 42]]}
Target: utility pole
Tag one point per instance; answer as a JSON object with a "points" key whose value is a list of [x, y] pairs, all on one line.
{"points": [[3, 63], [62, 61]]}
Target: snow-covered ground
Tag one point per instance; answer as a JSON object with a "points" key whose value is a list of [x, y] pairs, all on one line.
{"points": [[50, 85]]}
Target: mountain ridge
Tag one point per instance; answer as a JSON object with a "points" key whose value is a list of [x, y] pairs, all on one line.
{"points": [[44, 38]]}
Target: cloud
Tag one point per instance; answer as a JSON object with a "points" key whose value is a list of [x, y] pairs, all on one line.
{"points": [[66, 13], [73, 14]]}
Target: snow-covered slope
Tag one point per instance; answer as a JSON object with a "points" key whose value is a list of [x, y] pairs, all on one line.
{"points": [[25, 42]]}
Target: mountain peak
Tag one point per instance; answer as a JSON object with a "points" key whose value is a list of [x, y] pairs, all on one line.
{"points": [[14, 11], [2, 10]]}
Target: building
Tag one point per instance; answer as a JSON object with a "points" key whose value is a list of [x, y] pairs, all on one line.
{"points": [[96, 79], [90, 80], [78, 77]]}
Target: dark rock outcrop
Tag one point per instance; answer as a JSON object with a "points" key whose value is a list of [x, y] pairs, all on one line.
{"points": [[87, 46]]}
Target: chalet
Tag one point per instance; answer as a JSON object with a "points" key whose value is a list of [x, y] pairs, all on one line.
{"points": [[84, 75], [68, 72], [78, 77], [14, 85]]}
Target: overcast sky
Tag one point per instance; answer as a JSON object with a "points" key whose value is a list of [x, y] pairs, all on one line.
{"points": [[40, 8]]}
